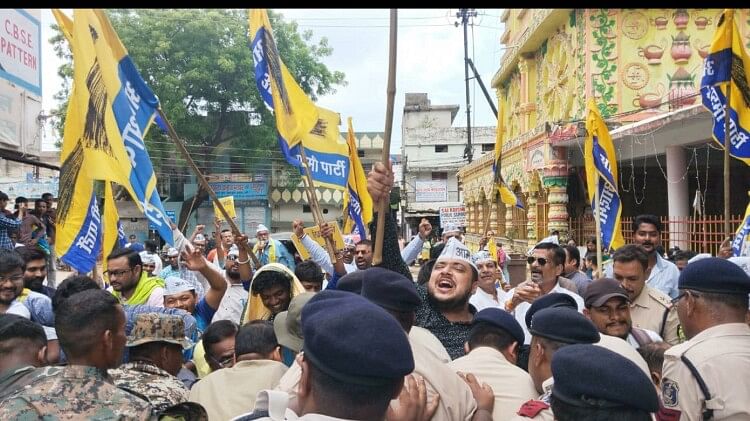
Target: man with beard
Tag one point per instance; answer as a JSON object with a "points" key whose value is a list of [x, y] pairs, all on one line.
{"points": [[608, 307], [662, 274], [36, 270], [487, 294], [650, 308], [238, 274], [15, 298], [131, 284], [270, 250], [181, 294], [445, 310], [363, 254], [545, 264]]}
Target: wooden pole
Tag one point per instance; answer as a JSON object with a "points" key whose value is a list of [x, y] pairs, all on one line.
{"points": [[312, 199], [727, 144], [377, 257], [598, 231], [204, 183]]}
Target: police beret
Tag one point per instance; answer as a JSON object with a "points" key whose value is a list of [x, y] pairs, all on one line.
{"points": [[501, 319], [601, 290], [553, 299], [351, 282], [589, 376], [715, 275], [564, 325], [389, 289], [353, 340]]}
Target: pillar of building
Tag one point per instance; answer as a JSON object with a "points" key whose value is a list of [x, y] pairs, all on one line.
{"points": [[509, 222], [469, 216], [677, 197], [479, 223], [556, 181], [531, 219], [494, 215]]}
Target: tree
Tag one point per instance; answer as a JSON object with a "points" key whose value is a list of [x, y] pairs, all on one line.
{"points": [[198, 62]]}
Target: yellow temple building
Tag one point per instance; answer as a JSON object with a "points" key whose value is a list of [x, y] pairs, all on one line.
{"points": [[643, 67]]}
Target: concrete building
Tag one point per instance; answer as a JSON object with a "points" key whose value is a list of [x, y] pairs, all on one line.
{"points": [[643, 67], [432, 151]]}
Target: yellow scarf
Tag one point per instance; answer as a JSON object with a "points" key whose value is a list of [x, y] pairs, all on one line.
{"points": [[143, 290], [271, 252], [254, 309]]}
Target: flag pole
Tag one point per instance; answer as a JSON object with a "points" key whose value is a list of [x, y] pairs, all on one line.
{"points": [[377, 257], [204, 183], [597, 217], [727, 145], [312, 199]]}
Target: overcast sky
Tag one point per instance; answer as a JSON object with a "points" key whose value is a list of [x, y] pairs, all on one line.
{"points": [[430, 60]]}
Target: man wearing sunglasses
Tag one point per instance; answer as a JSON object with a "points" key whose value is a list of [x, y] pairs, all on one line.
{"points": [[708, 377], [546, 265]]}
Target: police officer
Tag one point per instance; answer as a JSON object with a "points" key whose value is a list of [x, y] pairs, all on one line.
{"points": [[552, 329], [491, 353], [594, 383], [649, 307], [708, 377]]}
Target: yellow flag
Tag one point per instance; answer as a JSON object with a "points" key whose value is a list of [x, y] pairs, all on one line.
{"points": [[296, 115], [357, 200], [601, 173], [228, 203]]}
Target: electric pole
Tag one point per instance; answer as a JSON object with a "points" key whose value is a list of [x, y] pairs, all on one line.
{"points": [[465, 14]]}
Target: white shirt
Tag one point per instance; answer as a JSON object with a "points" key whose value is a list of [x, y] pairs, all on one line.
{"points": [[481, 300], [651, 334], [521, 309]]}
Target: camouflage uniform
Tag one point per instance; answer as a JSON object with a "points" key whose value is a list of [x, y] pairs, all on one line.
{"points": [[15, 379], [160, 388], [73, 392]]}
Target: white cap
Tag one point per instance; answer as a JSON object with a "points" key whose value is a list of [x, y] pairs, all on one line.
{"points": [[199, 237], [172, 252], [174, 285], [233, 251], [261, 228], [481, 256], [450, 228], [455, 249], [148, 259], [699, 256], [551, 239]]}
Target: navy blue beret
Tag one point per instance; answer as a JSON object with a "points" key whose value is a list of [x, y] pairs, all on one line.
{"points": [[715, 275], [353, 340], [351, 282], [503, 320], [564, 325], [553, 299], [389, 289], [590, 376]]}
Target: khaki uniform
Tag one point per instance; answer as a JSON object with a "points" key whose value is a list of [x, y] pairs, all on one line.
{"points": [[511, 385], [647, 312], [430, 342], [456, 401], [230, 392], [721, 355], [537, 409], [160, 388], [73, 392]]}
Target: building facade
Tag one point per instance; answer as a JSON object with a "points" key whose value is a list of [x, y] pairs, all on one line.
{"points": [[432, 152], [643, 67]]}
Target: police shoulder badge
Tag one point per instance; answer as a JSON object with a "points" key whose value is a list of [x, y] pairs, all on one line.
{"points": [[669, 392]]}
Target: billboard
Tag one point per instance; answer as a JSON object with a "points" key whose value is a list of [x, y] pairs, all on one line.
{"points": [[431, 190], [20, 49]]}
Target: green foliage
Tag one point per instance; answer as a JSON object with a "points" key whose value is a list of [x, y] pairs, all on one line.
{"points": [[198, 62], [603, 25]]}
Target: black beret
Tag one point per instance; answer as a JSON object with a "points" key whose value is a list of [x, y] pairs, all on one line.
{"points": [[353, 340], [553, 299], [564, 325], [715, 275], [601, 290], [389, 289], [351, 282], [503, 320], [590, 376]]}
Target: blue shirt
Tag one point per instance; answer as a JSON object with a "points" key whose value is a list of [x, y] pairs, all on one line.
{"points": [[282, 255], [203, 314], [5, 225]]}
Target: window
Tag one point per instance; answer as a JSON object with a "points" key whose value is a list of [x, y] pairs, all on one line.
{"points": [[441, 148], [360, 153], [306, 209], [440, 176], [486, 147]]}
